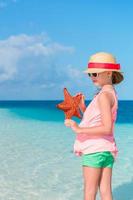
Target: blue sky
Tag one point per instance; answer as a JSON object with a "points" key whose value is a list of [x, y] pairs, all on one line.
{"points": [[45, 46]]}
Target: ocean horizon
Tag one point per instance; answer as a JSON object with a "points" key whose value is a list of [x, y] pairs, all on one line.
{"points": [[125, 109], [37, 160]]}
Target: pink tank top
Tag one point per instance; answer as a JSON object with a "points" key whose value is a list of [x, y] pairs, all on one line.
{"points": [[84, 143]]}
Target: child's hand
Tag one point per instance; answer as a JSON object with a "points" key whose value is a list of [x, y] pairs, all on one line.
{"points": [[71, 123]]}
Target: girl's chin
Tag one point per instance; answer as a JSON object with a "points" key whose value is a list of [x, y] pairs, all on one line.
{"points": [[96, 83]]}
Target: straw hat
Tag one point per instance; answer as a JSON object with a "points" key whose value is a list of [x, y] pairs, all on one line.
{"points": [[101, 62]]}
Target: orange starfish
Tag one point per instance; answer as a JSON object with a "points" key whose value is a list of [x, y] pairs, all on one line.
{"points": [[70, 105]]}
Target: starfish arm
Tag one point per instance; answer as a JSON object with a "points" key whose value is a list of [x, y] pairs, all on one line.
{"points": [[77, 113], [77, 100], [67, 97], [69, 114], [63, 106]]}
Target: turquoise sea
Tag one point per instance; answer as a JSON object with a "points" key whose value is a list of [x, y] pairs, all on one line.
{"points": [[37, 160]]}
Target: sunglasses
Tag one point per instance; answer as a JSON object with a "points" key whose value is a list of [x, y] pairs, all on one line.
{"points": [[93, 74]]}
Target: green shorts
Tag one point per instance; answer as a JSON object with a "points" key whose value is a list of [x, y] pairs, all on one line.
{"points": [[98, 159]]}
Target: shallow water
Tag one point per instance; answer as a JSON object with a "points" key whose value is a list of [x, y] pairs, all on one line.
{"points": [[37, 160]]}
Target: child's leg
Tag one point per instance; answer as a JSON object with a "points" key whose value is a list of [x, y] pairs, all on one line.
{"points": [[91, 177], [105, 184]]}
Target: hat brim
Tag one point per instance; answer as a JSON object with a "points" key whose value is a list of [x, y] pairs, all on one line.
{"points": [[97, 70]]}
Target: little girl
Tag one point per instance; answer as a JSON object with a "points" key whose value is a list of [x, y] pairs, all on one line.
{"points": [[95, 141]]}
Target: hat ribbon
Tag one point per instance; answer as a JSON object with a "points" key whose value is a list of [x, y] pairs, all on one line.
{"points": [[104, 65]]}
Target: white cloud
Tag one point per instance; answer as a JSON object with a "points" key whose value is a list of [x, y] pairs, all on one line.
{"points": [[25, 58], [31, 64]]}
